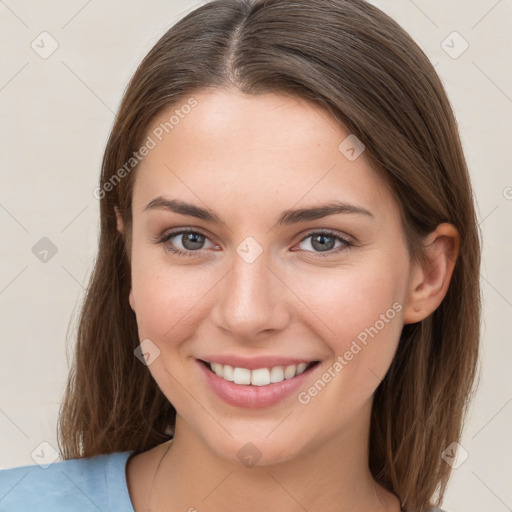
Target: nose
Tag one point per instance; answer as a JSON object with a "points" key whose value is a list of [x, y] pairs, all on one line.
{"points": [[251, 298]]}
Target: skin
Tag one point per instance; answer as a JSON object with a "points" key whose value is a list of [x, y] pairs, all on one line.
{"points": [[248, 158]]}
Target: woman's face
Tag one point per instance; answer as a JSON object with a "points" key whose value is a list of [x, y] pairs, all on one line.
{"points": [[260, 281]]}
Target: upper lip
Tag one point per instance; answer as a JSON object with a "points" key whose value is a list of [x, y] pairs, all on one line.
{"points": [[253, 363]]}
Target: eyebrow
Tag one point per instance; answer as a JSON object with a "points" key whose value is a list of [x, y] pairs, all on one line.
{"points": [[286, 217]]}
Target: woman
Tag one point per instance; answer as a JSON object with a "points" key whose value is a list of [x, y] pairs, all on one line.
{"points": [[284, 312]]}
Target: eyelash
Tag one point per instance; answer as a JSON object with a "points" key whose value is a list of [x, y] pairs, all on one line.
{"points": [[166, 237]]}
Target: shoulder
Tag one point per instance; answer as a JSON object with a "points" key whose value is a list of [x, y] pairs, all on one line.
{"points": [[84, 484]]}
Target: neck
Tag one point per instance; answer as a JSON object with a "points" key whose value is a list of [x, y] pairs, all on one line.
{"points": [[329, 475]]}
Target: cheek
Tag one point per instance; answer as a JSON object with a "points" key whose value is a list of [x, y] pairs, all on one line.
{"points": [[358, 311], [365, 313], [350, 299], [166, 299]]}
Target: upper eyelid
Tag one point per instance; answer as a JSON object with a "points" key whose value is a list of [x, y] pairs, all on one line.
{"points": [[181, 231], [326, 232]]}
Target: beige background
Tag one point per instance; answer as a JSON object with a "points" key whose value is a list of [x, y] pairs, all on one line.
{"points": [[56, 116]]}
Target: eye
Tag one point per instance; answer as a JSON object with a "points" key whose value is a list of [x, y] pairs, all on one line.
{"points": [[191, 241], [323, 243]]}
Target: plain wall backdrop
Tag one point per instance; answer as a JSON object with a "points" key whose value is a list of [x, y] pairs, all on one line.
{"points": [[64, 68]]}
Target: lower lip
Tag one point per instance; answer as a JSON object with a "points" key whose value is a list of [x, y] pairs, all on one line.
{"points": [[253, 397]]}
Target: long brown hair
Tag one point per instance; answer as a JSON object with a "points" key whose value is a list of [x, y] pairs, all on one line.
{"points": [[364, 69]]}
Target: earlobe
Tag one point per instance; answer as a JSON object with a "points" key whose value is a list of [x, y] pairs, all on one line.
{"points": [[430, 283], [120, 224]]}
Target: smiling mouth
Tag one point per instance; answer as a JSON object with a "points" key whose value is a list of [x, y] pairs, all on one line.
{"points": [[258, 377]]}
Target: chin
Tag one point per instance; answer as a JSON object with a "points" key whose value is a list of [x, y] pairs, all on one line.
{"points": [[257, 450]]}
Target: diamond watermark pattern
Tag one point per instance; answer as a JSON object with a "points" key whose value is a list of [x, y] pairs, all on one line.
{"points": [[249, 454], [351, 147], [455, 455], [249, 249], [147, 352], [44, 455], [44, 45], [454, 45], [44, 250]]}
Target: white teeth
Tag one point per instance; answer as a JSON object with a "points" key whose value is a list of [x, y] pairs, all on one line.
{"points": [[218, 369], [241, 376], [258, 377], [276, 374], [228, 372], [289, 371], [301, 367]]}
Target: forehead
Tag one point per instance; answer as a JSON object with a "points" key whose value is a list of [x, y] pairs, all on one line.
{"points": [[259, 149]]}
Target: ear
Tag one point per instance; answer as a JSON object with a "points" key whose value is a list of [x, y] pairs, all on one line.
{"points": [[131, 300], [429, 282], [120, 228]]}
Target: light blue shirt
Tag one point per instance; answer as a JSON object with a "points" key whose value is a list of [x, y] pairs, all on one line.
{"points": [[83, 485], [93, 484]]}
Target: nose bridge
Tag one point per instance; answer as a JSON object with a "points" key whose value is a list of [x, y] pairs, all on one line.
{"points": [[252, 298]]}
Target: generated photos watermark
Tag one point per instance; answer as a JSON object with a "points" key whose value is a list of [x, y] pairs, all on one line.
{"points": [[304, 397], [157, 135]]}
